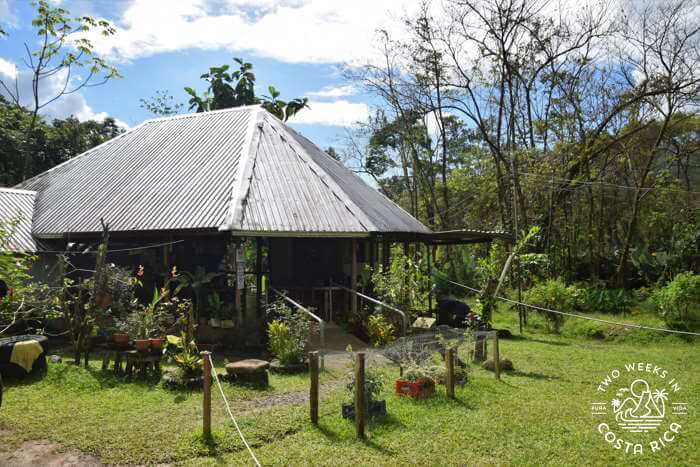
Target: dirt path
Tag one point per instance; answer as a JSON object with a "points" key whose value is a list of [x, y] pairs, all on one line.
{"points": [[45, 453]]}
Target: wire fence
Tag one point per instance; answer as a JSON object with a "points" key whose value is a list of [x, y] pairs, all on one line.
{"points": [[579, 316]]}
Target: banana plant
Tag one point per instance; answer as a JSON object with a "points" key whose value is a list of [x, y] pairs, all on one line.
{"points": [[196, 281]]}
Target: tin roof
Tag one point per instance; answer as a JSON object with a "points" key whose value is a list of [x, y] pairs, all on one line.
{"points": [[237, 169], [16, 208]]}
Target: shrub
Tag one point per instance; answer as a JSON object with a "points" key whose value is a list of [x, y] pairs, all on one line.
{"points": [[288, 334], [404, 284], [24, 299], [608, 300], [555, 295], [374, 383], [678, 302], [182, 350], [459, 265], [379, 330]]}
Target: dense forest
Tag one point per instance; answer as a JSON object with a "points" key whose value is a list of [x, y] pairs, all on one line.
{"points": [[511, 114]]}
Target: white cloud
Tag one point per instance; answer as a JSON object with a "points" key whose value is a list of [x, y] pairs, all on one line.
{"points": [[7, 69], [337, 113], [68, 105], [301, 31], [334, 91], [7, 16]]}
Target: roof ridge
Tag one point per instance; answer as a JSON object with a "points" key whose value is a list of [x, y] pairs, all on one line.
{"points": [[240, 108], [341, 165], [241, 185], [334, 187]]}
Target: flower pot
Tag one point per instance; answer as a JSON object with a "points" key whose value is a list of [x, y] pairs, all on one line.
{"points": [[418, 389], [215, 322], [142, 345], [120, 339], [103, 300], [156, 343], [374, 409], [227, 323]]}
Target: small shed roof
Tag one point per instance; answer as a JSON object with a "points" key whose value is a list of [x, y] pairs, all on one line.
{"points": [[16, 211], [237, 169]]}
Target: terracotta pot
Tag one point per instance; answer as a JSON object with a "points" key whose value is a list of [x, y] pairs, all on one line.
{"points": [[103, 300], [120, 339], [156, 343], [142, 344]]}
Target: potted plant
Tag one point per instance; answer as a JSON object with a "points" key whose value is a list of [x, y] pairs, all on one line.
{"points": [[374, 384], [120, 338], [419, 388], [417, 382], [214, 320], [183, 352], [215, 306], [288, 336], [420, 370], [227, 322], [144, 322]]}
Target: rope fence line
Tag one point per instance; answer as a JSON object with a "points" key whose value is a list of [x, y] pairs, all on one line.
{"points": [[228, 409], [575, 315]]}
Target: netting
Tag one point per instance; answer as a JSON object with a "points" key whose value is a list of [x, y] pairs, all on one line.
{"points": [[423, 354]]}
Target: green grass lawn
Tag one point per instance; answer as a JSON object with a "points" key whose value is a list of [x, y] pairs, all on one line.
{"points": [[538, 414]]}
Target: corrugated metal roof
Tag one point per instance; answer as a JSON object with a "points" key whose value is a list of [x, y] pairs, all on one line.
{"points": [[166, 174], [235, 169], [18, 206], [384, 214], [285, 194]]}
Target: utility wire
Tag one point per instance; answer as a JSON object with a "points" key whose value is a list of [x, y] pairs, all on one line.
{"points": [[613, 185], [575, 315], [119, 250], [228, 408]]}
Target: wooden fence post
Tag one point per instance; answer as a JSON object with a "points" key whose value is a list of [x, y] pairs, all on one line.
{"points": [[360, 396], [206, 394], [313, 395], [450, 364], [496, 356]]}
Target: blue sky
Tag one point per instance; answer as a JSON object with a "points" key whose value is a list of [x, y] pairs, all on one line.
{"points": [[300, 46]]}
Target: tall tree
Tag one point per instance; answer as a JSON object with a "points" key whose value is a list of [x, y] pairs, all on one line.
{"points": [[236, 88], [50, 143], [62, 54]]}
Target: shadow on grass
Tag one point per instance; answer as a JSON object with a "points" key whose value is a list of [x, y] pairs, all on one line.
{"points": [[548, 342], [462, 403], [533, 375], [385, 423], [12, 380], [373, 445]]}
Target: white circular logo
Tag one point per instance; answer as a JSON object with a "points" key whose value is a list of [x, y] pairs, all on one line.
{"points": [[639, 409]]}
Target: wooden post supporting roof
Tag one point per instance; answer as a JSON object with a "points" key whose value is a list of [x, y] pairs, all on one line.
{"points": [[430, 275], [353, 276], [258, 274], [386, 253]]}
